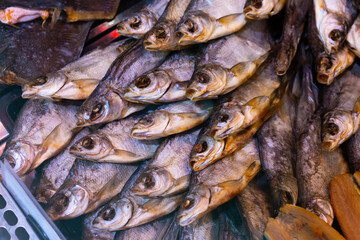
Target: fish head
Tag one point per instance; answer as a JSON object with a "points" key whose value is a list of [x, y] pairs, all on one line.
{"points": [[20, 155], [205, 151], [69, 203], [333, 31], [230, 119], [207, 82], [45, 193], [195, 205], [323, 209], [101, 108], [92, 147], [152, 124], [284, 190], [196, 26], [44, 86], [114, 215], [161, 37], [337, 126], [153, 183], [148, 87], [137, 25], [258, 9]]}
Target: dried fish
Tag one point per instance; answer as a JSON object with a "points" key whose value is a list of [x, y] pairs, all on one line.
{"points": [[261, 9], [92, 233], [353, 36]]}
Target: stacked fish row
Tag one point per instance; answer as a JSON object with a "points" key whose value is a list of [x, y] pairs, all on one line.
{"points": [[190, 92]]}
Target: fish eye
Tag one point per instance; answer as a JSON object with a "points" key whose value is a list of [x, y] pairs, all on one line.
{"points": [[202, 78], [179, 34], [258, 4], [190, 25], [336, 35], [189, 203], [96, 111], [148, 181], [142, 82], [223, 117], [40, 81], [147, 120], [332, 129], [326, 62], [88, 143], [108, 214], [201, 147], [287, 196], [135, 22], [160, 33]]}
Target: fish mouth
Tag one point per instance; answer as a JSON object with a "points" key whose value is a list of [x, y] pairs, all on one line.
{"points": [[205, 151], [114, 216], [91, 147], [194, 206], [69, 204], [196, 27], [285, 190], [20, 156], [257, 9], [159, 37], [337, 126], [152, 126], [153, 183], [148, 88], [323, 209]]}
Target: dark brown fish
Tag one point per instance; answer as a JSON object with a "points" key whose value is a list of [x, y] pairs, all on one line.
{"points": [[51, 49], [352, 152], [106, 103], [55, 171], [254, 204], [88, 186], [295, 16]]}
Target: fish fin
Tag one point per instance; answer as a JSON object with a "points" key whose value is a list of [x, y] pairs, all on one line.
{"points": [[188, 120], [55, 17], [123, 156], [54, 143], [228, 24], [77, 89]]}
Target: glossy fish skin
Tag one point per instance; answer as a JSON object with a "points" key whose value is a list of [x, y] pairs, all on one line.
{"points": [[295, 16], [296, 223], [167, 83], [333, 21], [150, 231], [247, 104], [206, 227], [92, 233], [277, 144], [353, 36], [255, 9], [77, 79], [254, 204], [64, 41], [88, 186], [113, 143], [219, 183], [42, 129], [328, 66], [106, 103], [171, 119], [228, 62], [209, 19], [341, 105], [168, 173], [127, 210], [142, 18], [162, 35], [315, 168], [55, 171]]}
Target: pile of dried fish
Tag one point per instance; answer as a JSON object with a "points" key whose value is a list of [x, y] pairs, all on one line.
{"points": [[203, 102]]}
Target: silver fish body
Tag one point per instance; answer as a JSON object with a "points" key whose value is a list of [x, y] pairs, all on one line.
{"points": [[171, 119], [140, 18], [168, 173], [42, 129], [219, 183], [209, 19], [167, 83], [162, 36], [88, 186], [127, 210], [78, 79], [228, 62], [55, 171], [113, 143], [106, 103]]}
